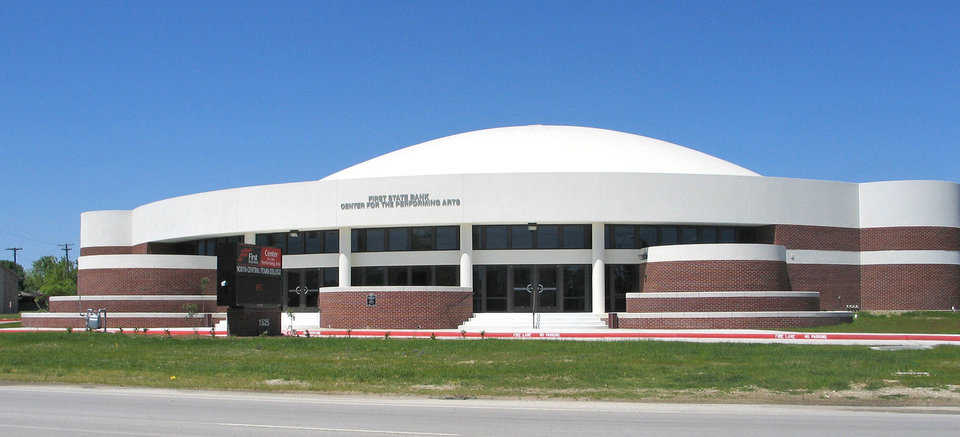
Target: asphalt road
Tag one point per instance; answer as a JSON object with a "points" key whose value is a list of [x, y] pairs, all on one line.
{"points": [[35, 411]]}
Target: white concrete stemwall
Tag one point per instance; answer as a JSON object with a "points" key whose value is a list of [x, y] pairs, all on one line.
{"points": [[720, 252], [439, 257], [878, 257], [266, 208], [147, 262], [909, 203], [310, 260], [105, 228]]}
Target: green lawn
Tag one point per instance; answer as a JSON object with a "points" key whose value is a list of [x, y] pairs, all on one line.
{"points": [[10, 316], [920, 322], [501, 368]]}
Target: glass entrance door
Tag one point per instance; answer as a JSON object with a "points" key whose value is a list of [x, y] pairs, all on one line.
{"points": [[535, 276], [503, 288]]}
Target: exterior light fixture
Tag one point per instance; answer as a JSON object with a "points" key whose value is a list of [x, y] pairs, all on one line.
{"points": [[293, 233], [531, 226]]}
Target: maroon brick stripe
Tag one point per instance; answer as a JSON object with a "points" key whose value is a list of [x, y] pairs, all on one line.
{"points": [[910, 238], [396, 310], [145, 281], [716, 276]]}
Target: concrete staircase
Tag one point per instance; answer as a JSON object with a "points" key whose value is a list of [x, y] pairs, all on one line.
{"points": [[522, 322]]}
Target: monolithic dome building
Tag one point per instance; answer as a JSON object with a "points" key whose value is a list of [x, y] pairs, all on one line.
{"points": [[606, 222]]}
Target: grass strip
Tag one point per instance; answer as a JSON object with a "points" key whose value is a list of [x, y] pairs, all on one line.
{"points": [[913, 322], [482, 368]]}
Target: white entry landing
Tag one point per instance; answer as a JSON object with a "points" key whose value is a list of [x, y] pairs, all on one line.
{"points": [[524, 321]]}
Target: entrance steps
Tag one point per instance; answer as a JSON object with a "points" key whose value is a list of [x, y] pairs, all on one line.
{"points": [[523, 321]]}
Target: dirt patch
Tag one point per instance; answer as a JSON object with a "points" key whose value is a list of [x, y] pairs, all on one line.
{"points": [[285, 382]]}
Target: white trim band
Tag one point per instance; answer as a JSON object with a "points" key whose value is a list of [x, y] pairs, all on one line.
{"points": [[734, 315], [833, 257], [716, 252], [404, 288], [711, 294], [313, 260], [127, 297], [147, 261], [879, 257]]}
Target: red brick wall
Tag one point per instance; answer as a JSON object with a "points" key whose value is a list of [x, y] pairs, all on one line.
{"points": [[816, 237], [711, 304], [716, 276], [105, 250], [396, 309], [145, 281], [910, 238], [731, 323], [136, 306], [120, 322], [832, 281], [910, 287]]}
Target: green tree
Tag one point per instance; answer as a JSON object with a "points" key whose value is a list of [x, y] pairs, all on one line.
{"points": [[51, 277], [17, 269]]}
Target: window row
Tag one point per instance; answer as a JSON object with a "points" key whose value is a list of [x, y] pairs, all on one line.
{"points": [[405, 275], [521, 237], [302, 242], [406, 239], [208, 246], [641, 236]]}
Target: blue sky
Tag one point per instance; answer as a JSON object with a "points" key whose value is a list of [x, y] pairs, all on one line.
{"points": [[110, 105]]}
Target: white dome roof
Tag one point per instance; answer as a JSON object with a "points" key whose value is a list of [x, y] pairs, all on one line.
{"points": [[541, 149]]}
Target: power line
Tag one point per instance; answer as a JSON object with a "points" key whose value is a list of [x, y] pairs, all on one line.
{"points": [[14, 249], [66, 250]]}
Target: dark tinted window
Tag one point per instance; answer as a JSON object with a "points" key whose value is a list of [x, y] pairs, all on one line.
{"points": [[624, 237], [312, 279], [330, 276], [375, 240], [420, 275], [548, 237], [358, 240], [647, 236], [576, 237], [668, 235], [448, 275], [708, 234], [727, 235], [496, 237], [399, 239], [398, 276], [314, 242], [688, 234], [331, 241], [448, 237], [295, 243], [421, 238], [521, 237], [373, 276]]}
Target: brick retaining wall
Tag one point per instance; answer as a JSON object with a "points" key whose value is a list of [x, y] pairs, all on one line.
{"points": [[396, 309], [716, 276]]}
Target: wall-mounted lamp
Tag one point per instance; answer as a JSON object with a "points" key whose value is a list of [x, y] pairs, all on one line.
{"points": [[531, 226], [293, 233]]}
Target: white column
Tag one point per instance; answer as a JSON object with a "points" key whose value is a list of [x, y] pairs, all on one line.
{"points": [[343, 264], [250, 238], [599, 283], [466, 256]]}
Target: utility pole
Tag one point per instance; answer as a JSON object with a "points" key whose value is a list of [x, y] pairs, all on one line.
{"points": [[66, 250], [14, 249]]}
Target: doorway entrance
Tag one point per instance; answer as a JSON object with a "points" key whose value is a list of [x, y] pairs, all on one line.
{"points": [[502, 288]]}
